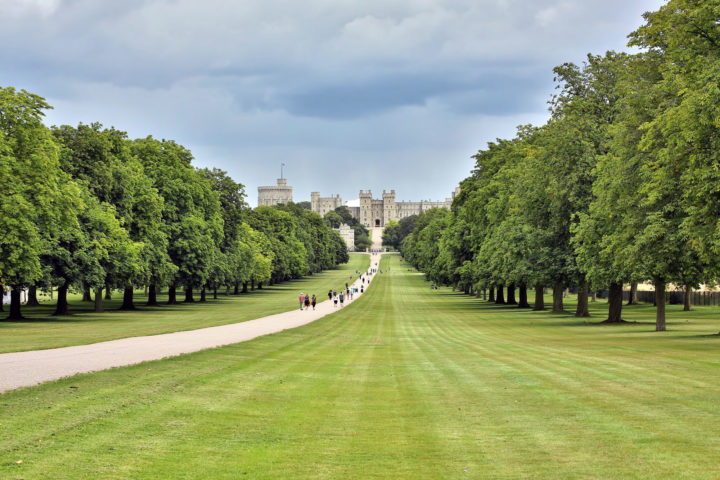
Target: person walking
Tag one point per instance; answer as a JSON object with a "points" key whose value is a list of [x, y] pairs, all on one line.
{"points": [[307, 301], [352, 293], [302, 300], [313, 301], [335, 300], [330, 294], [342, 299]]}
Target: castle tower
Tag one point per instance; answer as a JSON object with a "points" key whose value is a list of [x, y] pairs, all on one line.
{"points": [[366, 208], [315, 202], [275, 195], [389, 207]]}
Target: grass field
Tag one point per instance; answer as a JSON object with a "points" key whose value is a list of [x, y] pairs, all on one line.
{"points": [[42, 330], [404, 383]]}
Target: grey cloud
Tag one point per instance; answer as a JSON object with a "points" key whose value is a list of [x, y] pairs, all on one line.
{"points": [[367, 85]]}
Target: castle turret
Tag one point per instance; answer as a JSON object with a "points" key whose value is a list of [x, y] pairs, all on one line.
{"points": [[389, 207], [366, 208], [315, 202]]}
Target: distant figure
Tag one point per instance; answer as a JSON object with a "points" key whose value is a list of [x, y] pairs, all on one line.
{"points": [[307, 301], [313, 301], [330, 294], [335, 300], [352, 293], [342, 299], [302, 300], [362, 289]]}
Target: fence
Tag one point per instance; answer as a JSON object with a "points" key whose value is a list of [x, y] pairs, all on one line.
{"points": [[673, 297]]}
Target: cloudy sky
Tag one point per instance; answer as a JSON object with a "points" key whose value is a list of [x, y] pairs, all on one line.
{"points": [[350, 94]]}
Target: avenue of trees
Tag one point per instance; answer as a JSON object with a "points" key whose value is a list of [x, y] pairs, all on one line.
{"points": [[87, 209], [620, 186]]}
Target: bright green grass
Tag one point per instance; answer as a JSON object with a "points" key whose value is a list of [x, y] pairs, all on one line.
{"points": [[41, 330], [404, 383]]}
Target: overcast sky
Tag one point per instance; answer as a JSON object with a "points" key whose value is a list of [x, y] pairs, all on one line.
{"points": [[350, 94]]}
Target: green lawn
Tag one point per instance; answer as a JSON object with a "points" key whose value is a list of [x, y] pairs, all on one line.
{"points": [[41, 330], [404, 383]]}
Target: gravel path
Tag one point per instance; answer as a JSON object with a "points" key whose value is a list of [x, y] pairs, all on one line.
{"points": [[24, 369]]}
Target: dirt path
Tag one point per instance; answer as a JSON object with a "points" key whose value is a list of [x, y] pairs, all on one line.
{"points": [[23, 369]]}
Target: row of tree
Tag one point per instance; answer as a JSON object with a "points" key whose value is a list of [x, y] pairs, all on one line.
{"points": [[620, 186], [89, 209]]}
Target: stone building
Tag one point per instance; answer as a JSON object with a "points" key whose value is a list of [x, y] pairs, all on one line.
{"points": [[275, 195], [348, 234], [323, 205], [372, 212]]}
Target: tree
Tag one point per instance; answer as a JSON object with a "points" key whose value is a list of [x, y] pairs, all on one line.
{"points": [[391, 234], [32, 201], [333, 219], [680, 142]]}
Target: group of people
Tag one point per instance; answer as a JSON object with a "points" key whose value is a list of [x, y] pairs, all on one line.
{"points": [[306, 301]]}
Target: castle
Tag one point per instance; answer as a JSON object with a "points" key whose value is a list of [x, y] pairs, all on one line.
{"points": [[275, 195], [375, 212]]}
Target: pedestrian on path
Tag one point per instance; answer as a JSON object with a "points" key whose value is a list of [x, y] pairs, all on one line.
{"points": [[307, 301], [313, 301], [302, 300], [342, 299], [330, 294], [352, 293], [335, 300]]}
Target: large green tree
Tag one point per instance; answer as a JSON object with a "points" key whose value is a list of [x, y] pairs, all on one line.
{"points": [[32, 200]]}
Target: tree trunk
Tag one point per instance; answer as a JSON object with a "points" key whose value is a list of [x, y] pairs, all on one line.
{"points": [[15, 313], [203, 295], [32, 297], [2, 295], [660, 304], [152, 296], [593, 298], [523, 297], [128, 299], [61, 308], [632, 299], [245, 287], [108, 292], [189, 295], [511, 295], [146, 292], [259, 285], [236, 289], [87, 295], [491, 297], [686, 300], [615, 303], [557, 298], [539, 298], [582, 303], [500, 296], [99, 300], [172, 295], [215, 294]]}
